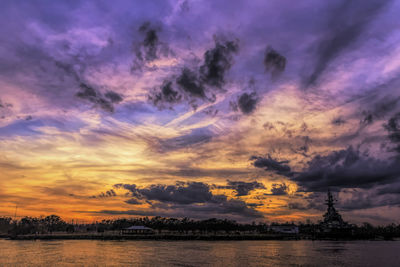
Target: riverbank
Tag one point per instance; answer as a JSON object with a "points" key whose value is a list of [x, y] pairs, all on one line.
{"points": [[181, 237], [152, 237]]}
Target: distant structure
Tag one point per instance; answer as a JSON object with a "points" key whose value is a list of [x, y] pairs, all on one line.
{"points": [[285, 228], [137, 230], [332, 219]]}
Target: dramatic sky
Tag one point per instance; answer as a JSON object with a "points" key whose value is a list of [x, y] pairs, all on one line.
{"points": [[247, 110]]}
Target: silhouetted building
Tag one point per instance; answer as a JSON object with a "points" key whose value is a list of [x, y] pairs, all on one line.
{"points": [[136, 230], [285, 229]]}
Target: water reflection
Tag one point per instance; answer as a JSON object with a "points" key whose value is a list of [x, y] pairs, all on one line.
{"points": [[198, 253]]}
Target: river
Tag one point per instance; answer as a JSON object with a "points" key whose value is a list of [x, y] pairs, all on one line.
{"points": [[199, 253]]}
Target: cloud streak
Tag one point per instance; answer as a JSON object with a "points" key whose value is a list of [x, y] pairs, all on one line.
{"points": [[346, 24]]}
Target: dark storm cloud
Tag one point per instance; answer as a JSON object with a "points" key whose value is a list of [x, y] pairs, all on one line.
{"points": [[190, 193], [348, 168], [180, 193], [150, 48], [113, 97], [5, 109], [279, 189], [362, 203], [356, 199], [150, 42], [198, 83], [55, 79], [242, 188], [367, 119], [107, 194], [50, 54], [189, 82], [167, 94], [346, 24], [90, 94], [247, 102], [393, 128], [87, 92], [227, 207], [217, 62], [193, 199], [130, 187], [270, 164], [133, 201], [389, 189], [313, 201], [274, 62], [233, 208]]}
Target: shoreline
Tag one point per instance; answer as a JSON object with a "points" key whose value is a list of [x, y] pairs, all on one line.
{"points": [[187, 237], [152, 237]]}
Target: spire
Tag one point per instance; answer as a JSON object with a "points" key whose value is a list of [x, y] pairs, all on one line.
{"points": [[330, 201], [332, 216]]}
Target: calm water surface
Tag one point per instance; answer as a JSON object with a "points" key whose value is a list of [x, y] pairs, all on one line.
{"points": [[199, 253]]}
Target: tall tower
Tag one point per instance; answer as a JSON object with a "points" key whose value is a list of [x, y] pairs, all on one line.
{"points": [[330, 202], [332, 218]]}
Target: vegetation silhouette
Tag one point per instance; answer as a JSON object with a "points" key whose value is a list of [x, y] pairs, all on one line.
{"points": [[53, 225]]}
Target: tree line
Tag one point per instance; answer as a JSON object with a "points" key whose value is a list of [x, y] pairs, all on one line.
{"points": [[54, 223]]}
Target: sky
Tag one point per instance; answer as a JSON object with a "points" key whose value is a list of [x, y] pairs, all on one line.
{"points": [[246, 110]]}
